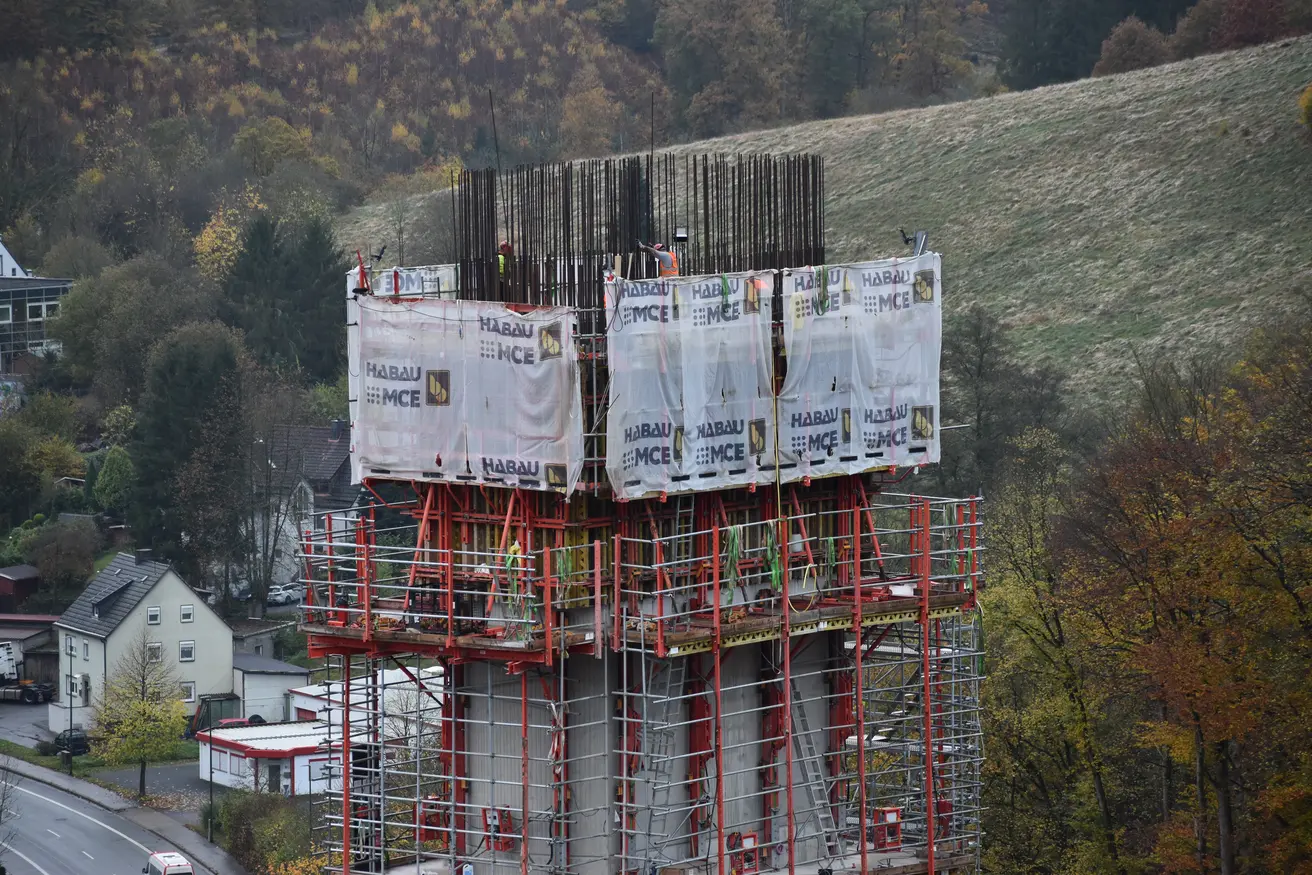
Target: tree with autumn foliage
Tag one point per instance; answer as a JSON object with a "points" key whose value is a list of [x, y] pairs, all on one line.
{"points": [[1187, 545], [139, 716]]}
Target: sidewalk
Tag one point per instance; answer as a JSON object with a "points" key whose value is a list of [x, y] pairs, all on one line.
{"points": [[190, 844]]}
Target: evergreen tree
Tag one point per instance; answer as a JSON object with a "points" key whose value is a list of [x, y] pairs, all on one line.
{"points": [[255, 290], [113, 484], [192, 387], [314, 301], [283, 295]]}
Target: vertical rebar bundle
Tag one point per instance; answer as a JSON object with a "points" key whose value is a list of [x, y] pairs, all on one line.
{"points": [[566, 223]]}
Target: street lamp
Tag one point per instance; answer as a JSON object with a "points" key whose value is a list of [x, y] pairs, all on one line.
{"points": [[210, 825], [68, 691]]}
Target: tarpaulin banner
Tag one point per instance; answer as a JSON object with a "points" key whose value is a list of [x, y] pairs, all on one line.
{"points": [[691, 405], [862, 345], [466, 392]]}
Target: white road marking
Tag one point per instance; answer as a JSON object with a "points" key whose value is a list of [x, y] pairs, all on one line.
{"points": [[52, 832], [81, 814], [22, 856], [88, 856]]}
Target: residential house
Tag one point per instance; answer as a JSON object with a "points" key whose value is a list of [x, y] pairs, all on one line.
{"points": [[263, 685], [293, 759], [134, 593], [308, 476], [259, 637]]}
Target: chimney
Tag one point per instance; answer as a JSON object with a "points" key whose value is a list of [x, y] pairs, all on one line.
{"points": [[143, 555], [339, 428]]}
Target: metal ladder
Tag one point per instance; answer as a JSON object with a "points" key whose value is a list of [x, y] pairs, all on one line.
{"points": [[658, 755], [817, 787]]}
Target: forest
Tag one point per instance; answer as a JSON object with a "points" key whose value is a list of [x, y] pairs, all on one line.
{"points": [[185, 161]]}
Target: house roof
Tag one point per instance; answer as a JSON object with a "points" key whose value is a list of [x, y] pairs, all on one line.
{"points": [[246, 627], [113, 594], [250, 663], [28, 619], [19, 633], [312, 450], [19, 572], [271, 740]]}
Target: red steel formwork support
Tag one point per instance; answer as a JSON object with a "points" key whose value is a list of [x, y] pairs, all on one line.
{"points": [[925, 552], [662, 610], [860, 696]]}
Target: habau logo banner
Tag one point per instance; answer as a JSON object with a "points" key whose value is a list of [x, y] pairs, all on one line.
{"points": [[862, 343], [690, 383], [467, 392]]}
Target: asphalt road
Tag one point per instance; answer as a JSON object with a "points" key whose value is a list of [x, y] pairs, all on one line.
{"points": [[48, 832]]}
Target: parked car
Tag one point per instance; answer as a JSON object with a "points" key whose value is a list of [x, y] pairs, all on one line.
{"points": [[242, 593], [285, 594], [74, 741]]}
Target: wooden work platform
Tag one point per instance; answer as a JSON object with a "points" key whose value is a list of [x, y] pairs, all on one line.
{"points": [[755, 628], [697, 637], [352, 638]]}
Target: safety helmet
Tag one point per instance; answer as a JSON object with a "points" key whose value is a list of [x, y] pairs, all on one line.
{"points": [[659, 247], [504, 248]]}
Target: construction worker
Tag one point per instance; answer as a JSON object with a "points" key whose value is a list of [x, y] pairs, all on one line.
{"points": [[668, 261], [504, 253]]}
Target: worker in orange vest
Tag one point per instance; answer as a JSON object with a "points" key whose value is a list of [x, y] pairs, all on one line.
{"points": [[668, 261]]}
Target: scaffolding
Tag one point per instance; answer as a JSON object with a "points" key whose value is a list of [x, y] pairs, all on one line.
{"points": [[737, 691], [775, 677]]}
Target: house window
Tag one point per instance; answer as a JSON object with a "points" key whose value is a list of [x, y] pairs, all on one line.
{"points": [[154, 652], [259, 649], [237, 765], [52, 309], [73, 691], [220, 760], [35, 312], [152, 615], [6, 314], [86, 649], [188, 691], [187, 613], [69, 646], [186, 651]]}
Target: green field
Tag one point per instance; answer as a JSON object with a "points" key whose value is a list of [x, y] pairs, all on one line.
{"points": [[1161, 212]]}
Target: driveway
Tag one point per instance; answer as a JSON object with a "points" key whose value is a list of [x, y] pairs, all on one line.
{"points": [[175, 786], [24, 724]]}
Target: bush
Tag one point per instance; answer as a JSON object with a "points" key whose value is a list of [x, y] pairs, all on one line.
{"points": [[46, 748], [1252, 23], [263, 830], [1132, 45], [1197, 31]]}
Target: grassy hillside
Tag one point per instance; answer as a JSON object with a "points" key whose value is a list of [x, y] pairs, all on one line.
{"points": [[1157, 211]]}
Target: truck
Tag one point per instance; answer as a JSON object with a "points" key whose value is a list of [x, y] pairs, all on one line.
{"points": [[13, 688]]}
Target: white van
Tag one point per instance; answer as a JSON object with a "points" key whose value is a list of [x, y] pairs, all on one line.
{"points": [[167, 863]]}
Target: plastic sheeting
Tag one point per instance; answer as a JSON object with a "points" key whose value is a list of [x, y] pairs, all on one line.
{"points": [[691, 404], [691, 376], [862, 343], [466, 392]]}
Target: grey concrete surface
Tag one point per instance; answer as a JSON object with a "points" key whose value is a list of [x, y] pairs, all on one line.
{"points": [[24, 724]]}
